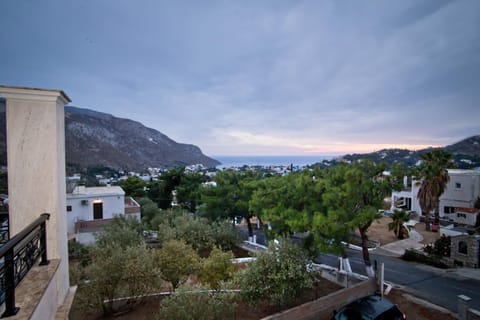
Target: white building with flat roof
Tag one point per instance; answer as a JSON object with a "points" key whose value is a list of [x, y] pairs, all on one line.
{"points": [[456, 203], [90, 208]]}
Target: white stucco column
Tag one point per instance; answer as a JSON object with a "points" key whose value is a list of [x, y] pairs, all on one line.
{"points": [[36, 167]]}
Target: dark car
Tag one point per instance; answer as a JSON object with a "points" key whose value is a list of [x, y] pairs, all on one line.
{"points": [[369, 308]]}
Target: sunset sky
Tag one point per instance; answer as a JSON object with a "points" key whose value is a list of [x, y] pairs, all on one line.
{"points": [[259, 77]]}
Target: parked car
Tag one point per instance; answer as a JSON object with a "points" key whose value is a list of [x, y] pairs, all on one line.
{"points": [[369, 308]]}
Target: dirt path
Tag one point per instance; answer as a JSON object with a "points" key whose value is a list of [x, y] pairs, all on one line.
{"points": [[379, 231]]}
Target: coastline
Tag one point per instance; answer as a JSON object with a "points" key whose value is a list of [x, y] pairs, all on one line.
{"points": [[278, 160]]}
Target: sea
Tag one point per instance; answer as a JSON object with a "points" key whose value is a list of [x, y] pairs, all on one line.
{"points": [[239, 161]]}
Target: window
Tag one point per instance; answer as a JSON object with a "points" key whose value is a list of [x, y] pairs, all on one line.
{"points": [[462, 215], [462, 247], [458, 185], [448, 209], [69, 208]]}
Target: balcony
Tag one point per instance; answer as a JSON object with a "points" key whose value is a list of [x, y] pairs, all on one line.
{"points": [[17, 257]]}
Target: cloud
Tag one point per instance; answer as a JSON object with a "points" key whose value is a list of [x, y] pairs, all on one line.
{"points": [[259, 77]]}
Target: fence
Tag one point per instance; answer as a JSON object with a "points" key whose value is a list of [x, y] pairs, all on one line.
{"points": [[18, 256]]}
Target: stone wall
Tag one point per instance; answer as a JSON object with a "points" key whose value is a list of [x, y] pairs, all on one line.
{"points": [[465, 249]]}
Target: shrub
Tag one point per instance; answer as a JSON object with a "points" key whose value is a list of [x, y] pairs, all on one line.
{"points": [[115, 272], [412, 255], [177, 261], [217, 268], [278, 275], [197, 305]]}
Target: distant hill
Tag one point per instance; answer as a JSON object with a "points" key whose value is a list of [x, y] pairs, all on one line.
{"points": [[98, 139], [95, 138], [466, 154]]}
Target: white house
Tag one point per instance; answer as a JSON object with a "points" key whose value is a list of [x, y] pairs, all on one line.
{"points": [[456, 203], [89, 209]]}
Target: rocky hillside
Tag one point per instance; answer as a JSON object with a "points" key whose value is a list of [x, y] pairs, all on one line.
{"points": [[94, 138], [100, 139], [466, 154]]}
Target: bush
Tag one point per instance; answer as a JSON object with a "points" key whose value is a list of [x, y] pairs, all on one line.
{"points": [[115, 272], [197, 305], [121, 232], [441, 247], [79, 252], [217, 268], [225, 235], [412, 255], [198, 232], [278, 275], [177, 261]]}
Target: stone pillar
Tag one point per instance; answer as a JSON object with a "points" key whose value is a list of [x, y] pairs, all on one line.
{"points": [[36, 167]]}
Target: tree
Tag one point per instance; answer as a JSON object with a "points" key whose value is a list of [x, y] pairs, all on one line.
{"points": [[121, 232], [217, 268], [231, 196], [118, 265], [116, 272], [161, 191], [399, 217], [224, 235], [434, 178], [177, 261], [196, 231], [196, 303], [353, 195], [189, 191], [278, 275], [149, 211], [288, 203], [134, 186]]}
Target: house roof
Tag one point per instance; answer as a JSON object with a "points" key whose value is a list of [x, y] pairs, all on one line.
{"points": [[466, 210], [463, 172], [96, 191]]}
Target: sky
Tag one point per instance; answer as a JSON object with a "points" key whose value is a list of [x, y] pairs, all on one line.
{"points": [[256, 77]]}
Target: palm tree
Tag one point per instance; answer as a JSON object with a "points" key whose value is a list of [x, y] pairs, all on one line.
{"points": [[434, 178], [399, 217]]}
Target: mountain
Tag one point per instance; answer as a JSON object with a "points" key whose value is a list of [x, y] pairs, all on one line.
{"points": [[98, 139], [95, 138], [465, 153]]}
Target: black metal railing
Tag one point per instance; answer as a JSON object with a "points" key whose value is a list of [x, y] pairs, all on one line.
{"points": [[4, 229], [18, 256]]}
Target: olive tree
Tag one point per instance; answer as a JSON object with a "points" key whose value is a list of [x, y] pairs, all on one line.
{"points": [[177, 261], [217, 268], [278, 275]]}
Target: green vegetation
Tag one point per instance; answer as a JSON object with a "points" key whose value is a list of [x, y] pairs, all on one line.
{"points": [[412, 255], [399, 217], [278, 275], [434, 178], [119, 265], [177, 261], [327, 205], [198, 305], [135, 187], [440, 248], [217, 268]]}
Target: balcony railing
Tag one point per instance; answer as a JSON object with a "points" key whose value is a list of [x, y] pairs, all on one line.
{"points": [[4, 233], [17, 256]]}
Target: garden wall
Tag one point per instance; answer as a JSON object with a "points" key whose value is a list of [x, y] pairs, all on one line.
{"points": [[323, 308]]}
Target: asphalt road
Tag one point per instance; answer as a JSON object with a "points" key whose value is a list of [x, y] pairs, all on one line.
{"points": [[438, 286]]}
